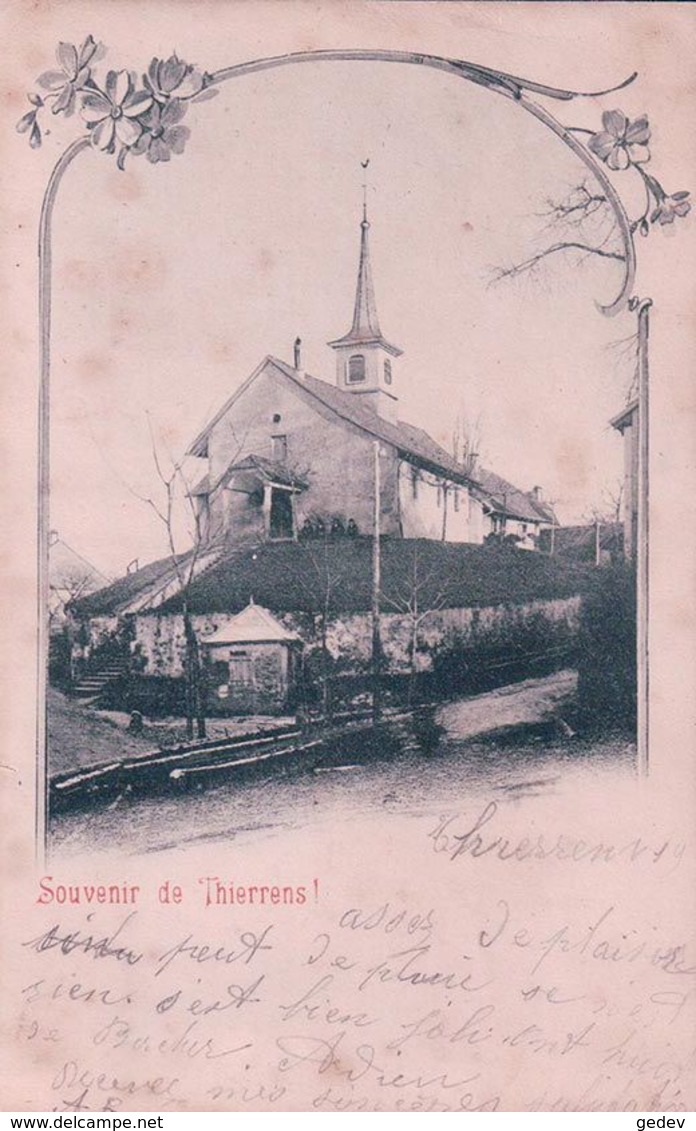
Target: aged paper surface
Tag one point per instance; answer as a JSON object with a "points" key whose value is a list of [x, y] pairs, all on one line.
{"points": [[506, 927]]}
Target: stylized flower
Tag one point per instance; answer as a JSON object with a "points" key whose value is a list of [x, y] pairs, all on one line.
{"points": [[112, 116], [28, 121], [678, 204], [75, 74], [163, 135], [172, 76], [621, 143]]}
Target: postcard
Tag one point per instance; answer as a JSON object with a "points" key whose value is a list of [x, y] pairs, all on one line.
{"points": [[349, 558]]}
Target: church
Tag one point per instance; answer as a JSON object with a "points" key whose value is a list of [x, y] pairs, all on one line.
{"points": [[295, 475], [290, 456]]}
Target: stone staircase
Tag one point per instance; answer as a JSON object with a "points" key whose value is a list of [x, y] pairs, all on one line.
{"points": [[92, 684]]}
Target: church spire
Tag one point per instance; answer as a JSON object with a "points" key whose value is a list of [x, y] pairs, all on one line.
{"points": [[365, 329], [365, 318]]}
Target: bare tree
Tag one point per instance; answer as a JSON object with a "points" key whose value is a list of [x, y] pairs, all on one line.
{"points": [[466, 441], [424, 592], [581, 224], [184, 564], [326, 576]]}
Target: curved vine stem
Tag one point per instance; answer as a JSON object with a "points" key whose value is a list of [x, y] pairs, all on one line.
{"points": [[43, 473]]}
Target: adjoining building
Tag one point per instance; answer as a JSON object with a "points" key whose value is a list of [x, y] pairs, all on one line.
{"points": [[626, 422]]}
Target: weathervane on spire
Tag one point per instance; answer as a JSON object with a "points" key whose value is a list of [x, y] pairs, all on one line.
{"points": [[364, 165]]}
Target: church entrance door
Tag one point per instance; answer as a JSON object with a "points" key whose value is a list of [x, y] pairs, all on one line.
{"points": [[281, 514]]}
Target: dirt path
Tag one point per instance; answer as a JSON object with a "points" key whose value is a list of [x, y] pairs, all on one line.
{"points": [[531, 701]]}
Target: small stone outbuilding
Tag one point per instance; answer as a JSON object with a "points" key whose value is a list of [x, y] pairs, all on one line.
{"points": [[251, 665]]}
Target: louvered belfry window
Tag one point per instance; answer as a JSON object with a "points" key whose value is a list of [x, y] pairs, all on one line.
{"points": [[356, 369]]}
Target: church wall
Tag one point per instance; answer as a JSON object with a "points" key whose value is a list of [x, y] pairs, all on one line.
{"points": [[425, 509], [335, 460]]}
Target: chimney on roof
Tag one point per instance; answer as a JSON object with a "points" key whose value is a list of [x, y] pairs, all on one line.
{"points": [[297, 350], [472, 464], [537, 494]]}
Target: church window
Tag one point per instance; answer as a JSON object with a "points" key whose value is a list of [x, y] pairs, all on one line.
{"points": [[439, 494], [356, 369], [414, 482], [276, 418], [456, 498], [280, 448], [387, 372]]}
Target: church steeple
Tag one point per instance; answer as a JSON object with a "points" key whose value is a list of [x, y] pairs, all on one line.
{"points": [[362, 366]]}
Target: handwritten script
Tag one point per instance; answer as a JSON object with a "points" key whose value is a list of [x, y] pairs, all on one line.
{"points": [[473, 990]]}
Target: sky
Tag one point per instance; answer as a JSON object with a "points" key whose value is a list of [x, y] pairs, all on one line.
{"points": [[173, 281]]}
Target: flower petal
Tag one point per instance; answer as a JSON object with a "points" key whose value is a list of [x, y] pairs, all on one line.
{"points": [[638, 132], [618, 158], [35, 136], [103, 133], [191, 84], [158, 151], [682, 207], [602, 144], [639, 154], [87, 51], [152, 117], [128, 131], [82, 76], [207, 93], [65, 102], [110, 84], [66, 54], [680, 195], [52, 80], [615, 122], [122, 87], [173, 112], [141, 144], [171, 73], [176, 138], [137, 103], [25, 122], [95, 107]]}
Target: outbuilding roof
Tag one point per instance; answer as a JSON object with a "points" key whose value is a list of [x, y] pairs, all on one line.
{"points": [[254, 625]]}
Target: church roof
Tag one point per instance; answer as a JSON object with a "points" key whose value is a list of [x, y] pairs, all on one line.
{"points": [[411, 441], [365, 329], [413, 444], [254, 625]]}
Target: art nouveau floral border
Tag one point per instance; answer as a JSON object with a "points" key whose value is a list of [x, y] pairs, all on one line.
{"points": [[131, 114]]}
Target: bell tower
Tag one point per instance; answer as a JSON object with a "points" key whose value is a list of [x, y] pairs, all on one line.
{"points": [[364, 358]]}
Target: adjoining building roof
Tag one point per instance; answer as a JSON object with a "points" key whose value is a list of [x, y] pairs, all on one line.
{"points": [[254, 625], [112, 598], [509, 500], [625, 417]]}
